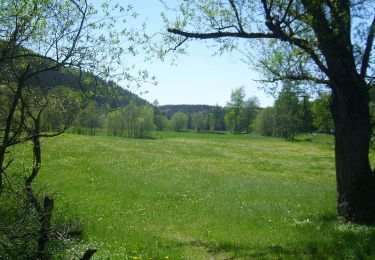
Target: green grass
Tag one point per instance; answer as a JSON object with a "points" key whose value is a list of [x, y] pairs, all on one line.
{"points": [[201, 196]]}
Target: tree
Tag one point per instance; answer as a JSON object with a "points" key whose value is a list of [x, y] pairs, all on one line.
{"points": [[115, 123], [90, 118], [131, 114], [264, 123], [218, 114], [63, 106], [248, 113], [287, 118], [179, 121], [202, 120], [306, 115], [322, 117], [138, 120], [329, 43], [161, 122], [145, 121], [234, 107]]}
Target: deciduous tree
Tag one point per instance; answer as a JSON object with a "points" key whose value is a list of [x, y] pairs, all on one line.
{"points": [[179, 121], [234, 108], [313, 42], [248, 113], [322, 116]]}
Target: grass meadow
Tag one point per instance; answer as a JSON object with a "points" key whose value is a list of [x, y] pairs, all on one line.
{"points": [[201, 196]]}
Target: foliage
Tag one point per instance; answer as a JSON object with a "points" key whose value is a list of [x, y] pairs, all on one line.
{"points": [[179, 121], [202, 121], [132, 121], [287, 118], [240, 113], [145, 121], [289, 115], [89, 119], [161, 122], [160, 119], [115, 123], [234, 107], [170, 110], [305, 112], [322, 115], [218, 114], [264, 123], [63, 106], [248, 113]]}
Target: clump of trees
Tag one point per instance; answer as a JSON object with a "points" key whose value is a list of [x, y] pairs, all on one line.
{"points": [[240, 113], [237, 116], [179, 121], [293, 114], [132, 120]]}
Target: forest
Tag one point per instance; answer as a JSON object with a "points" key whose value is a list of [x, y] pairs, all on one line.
{"points": [[91, 169]]}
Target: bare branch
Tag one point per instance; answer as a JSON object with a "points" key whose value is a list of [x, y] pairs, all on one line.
{"points": [[178, 45], [287, 11], [237, 15]]}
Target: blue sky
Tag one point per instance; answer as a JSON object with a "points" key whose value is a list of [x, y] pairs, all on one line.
{"points": [[197, 78]]}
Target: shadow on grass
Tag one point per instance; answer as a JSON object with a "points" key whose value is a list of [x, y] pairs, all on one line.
{"points": [[344, 241]]}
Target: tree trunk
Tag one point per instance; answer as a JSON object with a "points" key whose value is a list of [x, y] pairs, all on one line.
{"points": [[7, 130], [45, 226], [355, 179]]}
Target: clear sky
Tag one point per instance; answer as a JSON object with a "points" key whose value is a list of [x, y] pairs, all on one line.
{"points": [[197, 78]]}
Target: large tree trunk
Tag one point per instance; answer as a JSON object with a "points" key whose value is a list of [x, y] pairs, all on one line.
{"points": [[355, 179]]}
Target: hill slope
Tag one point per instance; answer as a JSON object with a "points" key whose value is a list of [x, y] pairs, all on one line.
{"points": [[104, 92]]}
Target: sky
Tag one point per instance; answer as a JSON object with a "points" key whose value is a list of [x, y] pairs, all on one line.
{"points": [[196, 78]]}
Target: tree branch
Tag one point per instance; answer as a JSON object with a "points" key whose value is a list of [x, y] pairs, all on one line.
{"points": [[299, 78], [177, 45], [366, 55], [237, 15], [287, 11], [274, 25], [214, 35]]}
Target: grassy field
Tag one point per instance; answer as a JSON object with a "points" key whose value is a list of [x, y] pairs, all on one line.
{"points": [[202, 196]]}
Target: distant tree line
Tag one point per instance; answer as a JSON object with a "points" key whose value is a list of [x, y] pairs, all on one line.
{"points": [[291, 113], [124, 114]]}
